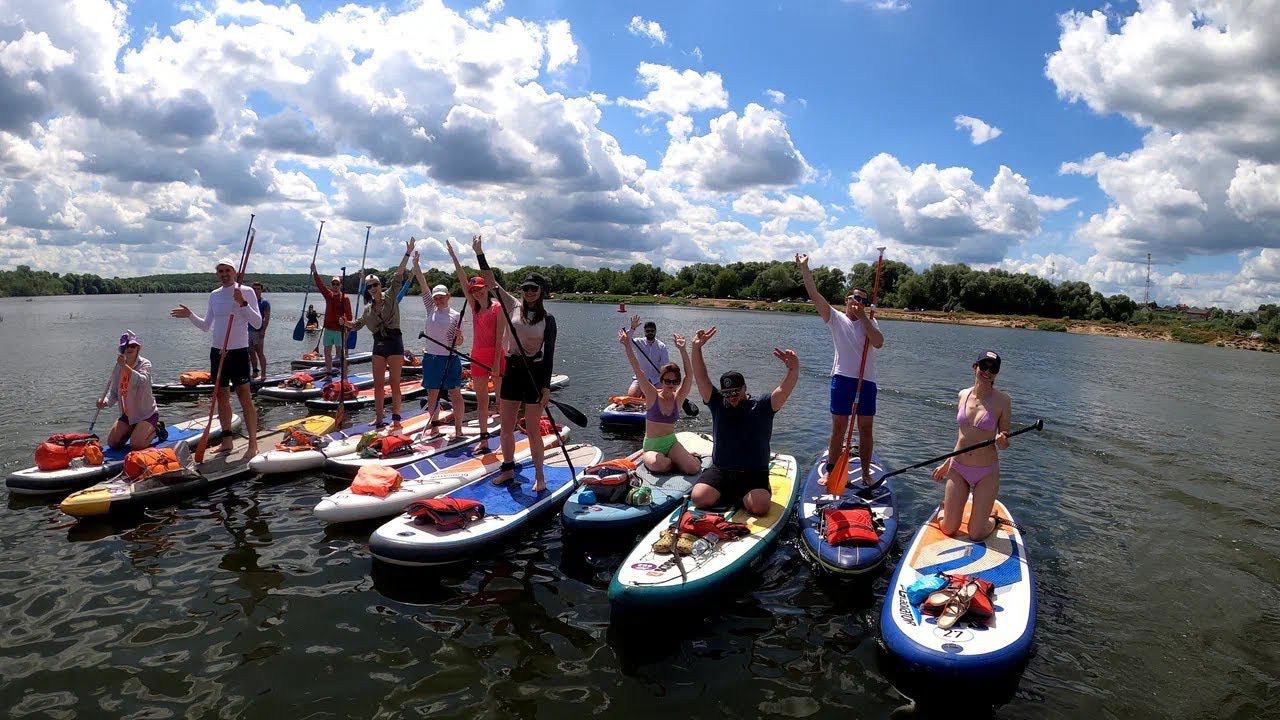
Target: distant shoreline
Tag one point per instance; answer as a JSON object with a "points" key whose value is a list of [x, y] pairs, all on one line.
{"points": [[1023, 322]]}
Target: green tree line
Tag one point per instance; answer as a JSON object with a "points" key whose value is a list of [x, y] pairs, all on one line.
{"points": [[944, 287]]}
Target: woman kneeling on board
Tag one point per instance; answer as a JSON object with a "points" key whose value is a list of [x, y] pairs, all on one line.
{"points": [[131, 388], [984, 414], [662, 451]]}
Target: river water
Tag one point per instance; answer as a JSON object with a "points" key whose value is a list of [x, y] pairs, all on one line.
{"points": [[1148, 505]]}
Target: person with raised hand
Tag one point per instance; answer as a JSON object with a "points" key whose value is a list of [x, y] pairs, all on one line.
{"points": [[662, 452], [382, 316], [130, 388], [653, 349], [741, 430], [487, 333], [441, 366], [337, 312], [530, 353], [850, 332]]}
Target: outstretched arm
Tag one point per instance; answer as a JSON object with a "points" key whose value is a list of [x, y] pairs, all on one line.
{"points": [[779, 396], [646, 387], [457, 269], [422, 281], [506, 298], [819, 303], [686, 379], [705, 388]]}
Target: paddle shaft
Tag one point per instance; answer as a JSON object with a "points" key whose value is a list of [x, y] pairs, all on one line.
{"points": [[342, 367], [226, 339], [300, 330], [98, 412], [689, 408], [1037, 425], [570, 411], [351, 339]]}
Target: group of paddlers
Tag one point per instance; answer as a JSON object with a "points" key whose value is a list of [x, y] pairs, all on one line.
{"points": [[513, 341]]}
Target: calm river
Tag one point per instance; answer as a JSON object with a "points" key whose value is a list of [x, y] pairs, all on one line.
{"points": [[1148, 504]]}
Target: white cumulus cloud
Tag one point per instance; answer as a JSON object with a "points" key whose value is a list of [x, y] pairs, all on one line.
{"points": [[647, 29], [979, 131]]}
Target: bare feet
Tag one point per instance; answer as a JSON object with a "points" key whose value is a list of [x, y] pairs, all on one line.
{"points": [[226, 446], [250, 453], [539, 484]]}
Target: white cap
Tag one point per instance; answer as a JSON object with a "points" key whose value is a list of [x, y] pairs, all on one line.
{"points": [[225, 261], [439, 290]]}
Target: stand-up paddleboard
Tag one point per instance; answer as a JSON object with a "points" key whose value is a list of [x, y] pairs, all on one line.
{"points": [[971, 646], [425, 444], [121, 493], [623, 415], [33, 481], [409, 389], [508, 509], [291, 394], [338, 443], [648, 581], [448, 469], [352, 359], [668, 489], [847, 559], [172, 390], [469, 393]]}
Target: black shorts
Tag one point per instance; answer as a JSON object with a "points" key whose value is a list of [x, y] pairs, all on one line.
{"points": [[734, 484], [388, 344], [516, 381], [235, 371]]}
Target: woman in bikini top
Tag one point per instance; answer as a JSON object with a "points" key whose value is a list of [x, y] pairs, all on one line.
{"points": [[661, 451], [983, 415]]}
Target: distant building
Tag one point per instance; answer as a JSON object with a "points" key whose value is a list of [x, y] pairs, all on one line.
{"points": [[1193, 313]]}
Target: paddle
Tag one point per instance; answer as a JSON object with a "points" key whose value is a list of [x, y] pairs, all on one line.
{"points": [[838, 476], [571, 413], [1037, 425], [98, 412], [203, 445], [341, 415], [689, 408], [300, 330], [351, 339]]}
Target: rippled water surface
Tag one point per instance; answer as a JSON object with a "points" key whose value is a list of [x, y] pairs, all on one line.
{"points": [[1149, 508]]}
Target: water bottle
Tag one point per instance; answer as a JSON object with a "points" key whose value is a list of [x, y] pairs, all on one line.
{"points": [[705, 545]]}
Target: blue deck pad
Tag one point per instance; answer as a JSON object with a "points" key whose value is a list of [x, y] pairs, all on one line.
{"points": [[515, 496], [847, 558], [452, 457]]}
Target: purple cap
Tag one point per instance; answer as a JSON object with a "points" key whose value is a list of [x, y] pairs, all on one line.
{"points": [[129, 338]]}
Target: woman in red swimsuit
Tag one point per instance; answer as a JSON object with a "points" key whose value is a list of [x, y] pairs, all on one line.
{"points": [[983, 415]]}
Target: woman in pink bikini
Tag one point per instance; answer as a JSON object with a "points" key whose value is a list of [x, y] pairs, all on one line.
{"points": [[984, 414]]}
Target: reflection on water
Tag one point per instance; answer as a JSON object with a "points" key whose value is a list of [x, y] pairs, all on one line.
{"points": [[1155, 471]]}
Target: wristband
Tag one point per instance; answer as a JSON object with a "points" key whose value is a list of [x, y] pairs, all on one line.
{"points": [[484, 264]]}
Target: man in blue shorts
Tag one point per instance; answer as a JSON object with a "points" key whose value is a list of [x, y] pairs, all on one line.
{"points": [[850, 331]]}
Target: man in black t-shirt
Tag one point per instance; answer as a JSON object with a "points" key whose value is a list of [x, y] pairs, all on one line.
{"points": [[742, 430]]}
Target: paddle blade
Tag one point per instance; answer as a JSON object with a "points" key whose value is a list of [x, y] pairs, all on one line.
{"points": [[690, 409], [838, 478], [202, 446], [573, 414], [300, 330]]}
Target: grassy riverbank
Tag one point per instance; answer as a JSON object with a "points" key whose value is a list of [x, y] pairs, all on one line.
{"points": [[1165, 326]]}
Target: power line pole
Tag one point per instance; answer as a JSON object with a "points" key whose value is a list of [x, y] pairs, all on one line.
{"points": [[1146, 293]]}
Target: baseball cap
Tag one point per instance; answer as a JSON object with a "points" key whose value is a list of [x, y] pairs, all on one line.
{"points": [[225, 261], [989, 355], [129, 338], [476, 283], [732, 380], [439, 290]]}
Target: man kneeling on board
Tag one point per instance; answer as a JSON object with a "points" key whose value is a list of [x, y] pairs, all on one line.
{"points": [[742, 430]]}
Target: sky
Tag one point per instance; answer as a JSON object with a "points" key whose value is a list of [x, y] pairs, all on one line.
{"points": [[1064, 139]]}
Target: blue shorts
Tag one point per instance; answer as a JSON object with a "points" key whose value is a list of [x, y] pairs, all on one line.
{"points": [[842, 389], [435, 365]]}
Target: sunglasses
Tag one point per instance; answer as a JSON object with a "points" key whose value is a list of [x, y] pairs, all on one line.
{"points": [[671, 381], [729, 394], [530, 288], [127, 348], [989, 367], [860, 299]]}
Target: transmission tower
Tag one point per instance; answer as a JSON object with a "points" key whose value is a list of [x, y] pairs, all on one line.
{"points": [[1146, 293]]}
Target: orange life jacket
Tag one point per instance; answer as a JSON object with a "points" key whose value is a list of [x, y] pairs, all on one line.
{"points": [[348, 390], [376, 480]]}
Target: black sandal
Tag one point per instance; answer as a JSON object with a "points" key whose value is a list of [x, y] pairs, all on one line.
{"points": [[504, 468]]}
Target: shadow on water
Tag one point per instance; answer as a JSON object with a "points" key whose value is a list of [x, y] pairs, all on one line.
{"points": [[935, 696]]}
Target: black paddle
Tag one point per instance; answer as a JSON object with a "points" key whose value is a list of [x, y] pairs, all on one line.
{"points": [[351, 339], [300, 330], [342, 368], [1037, 425], [571, 413], [689, 408]]}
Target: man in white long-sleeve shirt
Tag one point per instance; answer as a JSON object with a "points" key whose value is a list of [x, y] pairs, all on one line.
{"points": [[239, 306], [653, 349]]}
